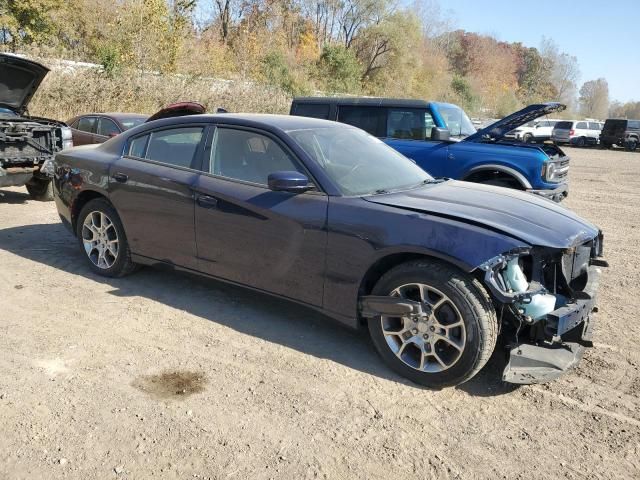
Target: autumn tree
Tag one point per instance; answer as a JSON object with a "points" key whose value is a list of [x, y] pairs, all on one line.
{"points": [[594, 98]]}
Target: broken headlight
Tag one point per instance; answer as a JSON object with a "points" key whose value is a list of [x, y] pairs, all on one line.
{"points": [[505, 277]]}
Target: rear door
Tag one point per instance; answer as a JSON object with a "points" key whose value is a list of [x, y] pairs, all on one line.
{"points": [[84, 129], [151, 187], [246, 233]]}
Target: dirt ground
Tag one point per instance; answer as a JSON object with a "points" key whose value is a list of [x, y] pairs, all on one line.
{"points": [[160, 375]]}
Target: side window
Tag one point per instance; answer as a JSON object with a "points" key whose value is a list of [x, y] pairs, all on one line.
{"points": [[314, 110], [175, 146], [582, 125], [107, 128], [410, 123], [635, 124], [594, 126], [138, 145], [370, 119], [248, 156], [87, 124]]}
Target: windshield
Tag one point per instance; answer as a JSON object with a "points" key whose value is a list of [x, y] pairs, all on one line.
{"points": [[128, 123], [457, 121], [359, 163]]}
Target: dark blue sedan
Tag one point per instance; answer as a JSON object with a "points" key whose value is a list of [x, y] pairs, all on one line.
{"points": [[328, 216]]}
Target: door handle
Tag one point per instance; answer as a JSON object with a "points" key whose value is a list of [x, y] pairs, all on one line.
{"points": [[205, 201], [120, 177]]}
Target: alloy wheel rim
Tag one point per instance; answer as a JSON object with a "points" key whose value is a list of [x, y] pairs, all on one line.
{"points": [[433, 342], [100, 240]]}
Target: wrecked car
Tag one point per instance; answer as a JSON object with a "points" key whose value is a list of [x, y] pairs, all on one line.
{"points": [[27, 144], [330, 217]]}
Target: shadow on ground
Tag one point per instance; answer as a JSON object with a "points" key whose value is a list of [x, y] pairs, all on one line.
{"points": [[246, 311], [12, 198]]}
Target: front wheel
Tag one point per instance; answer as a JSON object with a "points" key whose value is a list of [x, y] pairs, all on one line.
{"points": [[453, 338], [102, 239], [40, 189]]}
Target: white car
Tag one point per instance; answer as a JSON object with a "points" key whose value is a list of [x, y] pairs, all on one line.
{"points": [[577, 132], [535, 131]]}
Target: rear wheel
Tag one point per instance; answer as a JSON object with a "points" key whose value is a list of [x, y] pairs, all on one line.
{"points": [[454, 337], [527, 138], [40, 189], [632, 144], [580, 142], [102, 239]]}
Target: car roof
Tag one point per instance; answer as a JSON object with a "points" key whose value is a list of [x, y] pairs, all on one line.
{"points": [[366, 101], [258, 120]]}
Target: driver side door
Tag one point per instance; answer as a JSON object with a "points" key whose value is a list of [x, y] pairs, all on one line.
{"points": [[249, 234]]}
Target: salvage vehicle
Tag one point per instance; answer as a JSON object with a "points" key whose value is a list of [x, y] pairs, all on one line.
{"points": [[27, 144], [99, 127], [537, 131], [442, 140], [621, 132], [328, 216]]}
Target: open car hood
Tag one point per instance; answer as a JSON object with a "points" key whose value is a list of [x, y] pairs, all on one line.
{"points": [[19, 80], [179, 109], [496, 131], [521, 215]]}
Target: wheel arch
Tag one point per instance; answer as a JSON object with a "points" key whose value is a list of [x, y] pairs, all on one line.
{"points": [[391, 260], [80, 201], [502, 170]]}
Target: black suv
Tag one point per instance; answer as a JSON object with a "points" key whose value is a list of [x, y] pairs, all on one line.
{"points": [[624, 133]]}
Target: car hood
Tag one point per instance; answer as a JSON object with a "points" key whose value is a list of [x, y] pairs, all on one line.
{"points": [[19, 80], [521, 215], [496, 131]]}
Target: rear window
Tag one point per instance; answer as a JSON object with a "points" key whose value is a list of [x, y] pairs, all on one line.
{"points": [[370, 119], [313, 110], [87, 124], [564, 125]]}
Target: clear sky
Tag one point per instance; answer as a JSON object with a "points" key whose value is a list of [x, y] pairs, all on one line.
{"points": [[604, 35]]}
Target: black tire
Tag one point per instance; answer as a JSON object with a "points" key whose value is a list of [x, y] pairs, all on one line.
{"points": [[605, 145], [123, 265], [527, 138], [631, 144], [473, 304], [40, 189], [580, 142]]}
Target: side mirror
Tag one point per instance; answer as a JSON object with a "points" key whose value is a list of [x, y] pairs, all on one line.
{"points": [[288, 181], [440, 134]]}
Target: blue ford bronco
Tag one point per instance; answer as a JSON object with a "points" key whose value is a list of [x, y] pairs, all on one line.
{"points": [[441, 139]]}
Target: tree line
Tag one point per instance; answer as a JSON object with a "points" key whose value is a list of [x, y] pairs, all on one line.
{"points": [[366, 47]]}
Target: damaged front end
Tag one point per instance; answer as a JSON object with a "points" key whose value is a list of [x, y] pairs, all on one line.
{"points": [[546, 298], [27, 148]]}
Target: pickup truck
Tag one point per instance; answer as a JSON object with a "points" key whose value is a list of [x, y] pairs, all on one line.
{"points": [[441, 139], [27, 144]]}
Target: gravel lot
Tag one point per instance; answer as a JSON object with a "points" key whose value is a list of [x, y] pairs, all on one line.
{"points": [[163, 375]]}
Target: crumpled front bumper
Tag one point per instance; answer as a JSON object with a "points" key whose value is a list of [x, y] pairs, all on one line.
{"points": [[570, 329]]}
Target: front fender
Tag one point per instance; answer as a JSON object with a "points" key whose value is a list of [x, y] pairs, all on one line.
{"points": [[362, 234]]}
